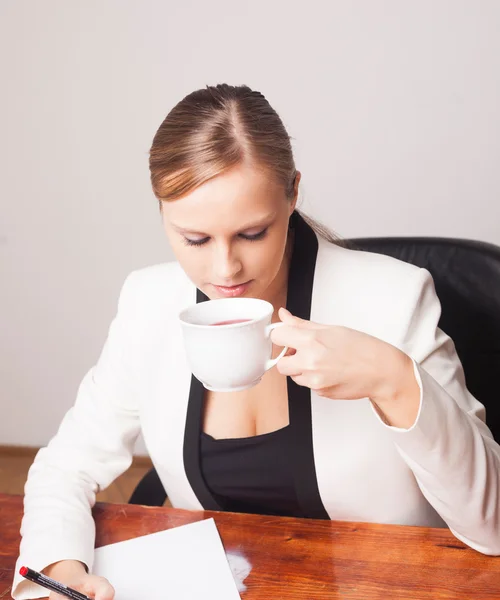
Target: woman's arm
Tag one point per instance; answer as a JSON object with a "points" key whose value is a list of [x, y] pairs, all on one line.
{"points": [[418, 391], [93, 445], [448, 447]]}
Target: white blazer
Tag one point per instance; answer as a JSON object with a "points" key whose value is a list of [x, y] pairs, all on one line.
{"points": [[348, 464]]}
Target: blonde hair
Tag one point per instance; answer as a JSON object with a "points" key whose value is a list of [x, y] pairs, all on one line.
{"points": [[211, 131]]}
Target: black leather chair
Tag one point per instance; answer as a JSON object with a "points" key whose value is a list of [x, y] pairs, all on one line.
{"points": [[467, 278], [149, 491]]}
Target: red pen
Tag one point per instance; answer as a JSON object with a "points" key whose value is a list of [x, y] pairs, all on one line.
{"points": [[52, 584]]}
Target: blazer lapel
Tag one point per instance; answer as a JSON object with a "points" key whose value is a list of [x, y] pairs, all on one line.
{"points": [[299, 300]]}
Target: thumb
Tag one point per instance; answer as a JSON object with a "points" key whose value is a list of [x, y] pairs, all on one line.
{"points": [[100, 588], [289, 319]]}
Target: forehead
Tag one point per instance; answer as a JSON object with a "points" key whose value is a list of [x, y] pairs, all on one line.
{"points": [[239, 196]]}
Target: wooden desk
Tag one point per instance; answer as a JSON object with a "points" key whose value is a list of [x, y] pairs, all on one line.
{"points": [[301, 559]]}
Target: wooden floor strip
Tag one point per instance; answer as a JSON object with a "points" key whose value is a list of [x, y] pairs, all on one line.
{"points": [[15, 462]]}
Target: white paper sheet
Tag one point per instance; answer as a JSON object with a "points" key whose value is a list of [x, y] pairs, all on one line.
{"points": [[184, 563]]}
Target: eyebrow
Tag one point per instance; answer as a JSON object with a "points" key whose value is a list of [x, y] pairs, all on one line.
{"points": [[255, 224]]}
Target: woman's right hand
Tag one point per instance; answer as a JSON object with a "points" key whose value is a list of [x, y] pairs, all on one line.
{"points": [[73, 574]]}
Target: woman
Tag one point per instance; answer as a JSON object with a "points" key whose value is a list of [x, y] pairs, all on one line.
{"points": [[373, 423]]}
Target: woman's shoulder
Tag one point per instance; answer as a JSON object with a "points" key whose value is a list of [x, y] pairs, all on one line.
{"points": [[372, 292], [157, 288], [362, 267], [158, 276]]}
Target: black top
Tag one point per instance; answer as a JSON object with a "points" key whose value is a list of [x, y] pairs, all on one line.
{"points": [[251, 475]]}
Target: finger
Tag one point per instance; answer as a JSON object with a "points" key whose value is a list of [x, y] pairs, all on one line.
{"points": [[301, 380], [287, 317], [56, 596], [313, 381], [104, 591], [99, 588], [291, 336], [290, 366]]}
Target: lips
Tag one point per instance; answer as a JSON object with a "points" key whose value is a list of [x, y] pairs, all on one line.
{"points": [[232, 291]]}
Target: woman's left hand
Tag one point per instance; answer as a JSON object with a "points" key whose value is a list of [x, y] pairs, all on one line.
{"points": [[341, 363]]}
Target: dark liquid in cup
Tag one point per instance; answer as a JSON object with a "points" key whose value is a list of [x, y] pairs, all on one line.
{"points": [[231, 322]]}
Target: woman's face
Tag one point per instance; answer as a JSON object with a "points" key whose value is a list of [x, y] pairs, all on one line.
{"points": [[229, 234]]}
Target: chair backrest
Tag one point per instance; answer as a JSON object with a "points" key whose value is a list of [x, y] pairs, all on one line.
{"points": [[466, 274]]}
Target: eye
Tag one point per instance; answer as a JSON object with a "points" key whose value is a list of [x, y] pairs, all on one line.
{"points": [[189, 242], [250, 238], [254, 237]]}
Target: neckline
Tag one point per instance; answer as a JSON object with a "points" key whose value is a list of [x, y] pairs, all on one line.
{"points": [[249, 439]]}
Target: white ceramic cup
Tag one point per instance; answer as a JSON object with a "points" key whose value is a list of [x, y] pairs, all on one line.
{"points": [[229, 357]]}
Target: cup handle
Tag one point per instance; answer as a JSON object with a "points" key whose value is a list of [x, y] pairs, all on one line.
{"points": [[273, 361]]}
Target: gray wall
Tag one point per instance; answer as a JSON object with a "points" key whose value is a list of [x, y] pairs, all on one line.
{"points": [[393, 106]]}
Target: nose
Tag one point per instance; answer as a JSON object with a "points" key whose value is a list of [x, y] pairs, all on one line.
{"points": [[227, 265]]}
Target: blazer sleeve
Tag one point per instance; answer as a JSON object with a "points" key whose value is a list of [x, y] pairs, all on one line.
{"points": [[94, 444], [449, 448]]}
